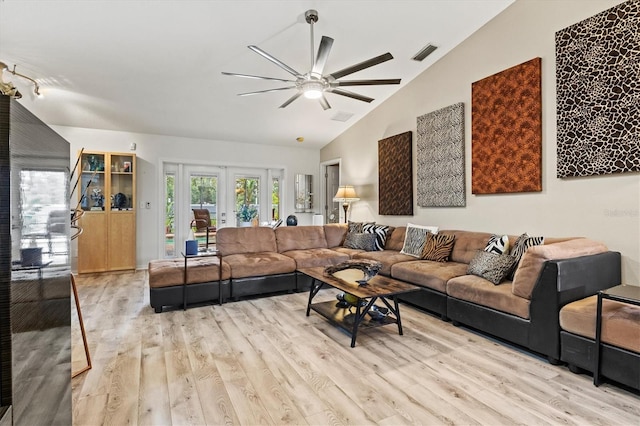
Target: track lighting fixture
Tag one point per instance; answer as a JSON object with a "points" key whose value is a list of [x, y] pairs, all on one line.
{"points": [[7, 88]]}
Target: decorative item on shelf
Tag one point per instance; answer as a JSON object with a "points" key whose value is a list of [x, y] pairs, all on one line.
{"points": [[98, 199], [127, 167], [119, 201], [292, 220], [345, 195]]}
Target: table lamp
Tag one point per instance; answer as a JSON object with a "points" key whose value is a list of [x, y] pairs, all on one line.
{"points": [[345, 195]]}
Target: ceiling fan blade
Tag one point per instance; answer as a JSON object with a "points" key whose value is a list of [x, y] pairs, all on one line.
{"points": [[349, 94], [258, 77], [323, 55], [362, 65], [276, 61], [291, 99], [324, 103], [368, 82], [266, 91]]}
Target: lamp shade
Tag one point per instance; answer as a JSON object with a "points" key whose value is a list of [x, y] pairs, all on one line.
{"points": [[345, 194]]}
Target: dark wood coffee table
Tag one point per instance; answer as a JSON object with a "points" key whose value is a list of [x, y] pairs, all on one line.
{"points": [[379, 287]]}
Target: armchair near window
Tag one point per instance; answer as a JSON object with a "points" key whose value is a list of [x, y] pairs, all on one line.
{"points": [[202, 223]]}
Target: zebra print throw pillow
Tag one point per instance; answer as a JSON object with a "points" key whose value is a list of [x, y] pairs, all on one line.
{"points": [[498, 244], [521, 245], [414, 239], [380, 231], [490, 266], [438, 247]]}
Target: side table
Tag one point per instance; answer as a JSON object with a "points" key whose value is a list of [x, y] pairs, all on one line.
{"points": [[620, 293], [208, 253]]}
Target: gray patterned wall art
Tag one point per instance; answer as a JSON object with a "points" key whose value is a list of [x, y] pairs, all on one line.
{"points": [[441, 158], [598, 93]]}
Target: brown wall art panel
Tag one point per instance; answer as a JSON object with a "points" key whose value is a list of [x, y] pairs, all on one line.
{"points": [[598, 93], [506, 131], [395, 175]]}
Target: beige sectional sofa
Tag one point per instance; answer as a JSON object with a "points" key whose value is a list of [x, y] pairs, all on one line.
{"points": [[523, 311]]}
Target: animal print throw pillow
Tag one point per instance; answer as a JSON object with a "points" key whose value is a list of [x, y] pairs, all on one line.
{"points": [[490, 266], [438, 247], [414, 239]]}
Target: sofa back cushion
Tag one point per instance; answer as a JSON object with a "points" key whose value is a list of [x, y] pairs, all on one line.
{"points": [[467, 243], [251, 239], [300, 238], [395, 238], [533, 259], [334, 233]]}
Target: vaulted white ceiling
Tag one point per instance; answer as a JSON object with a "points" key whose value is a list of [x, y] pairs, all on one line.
{"points": [[155, 66]]}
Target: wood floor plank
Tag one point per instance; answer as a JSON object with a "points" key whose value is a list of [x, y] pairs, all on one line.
{"points": [[263, 361]]}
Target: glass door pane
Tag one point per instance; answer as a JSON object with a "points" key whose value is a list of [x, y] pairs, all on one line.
{"points": [[204, 196], [247, 200], [170, 214]]}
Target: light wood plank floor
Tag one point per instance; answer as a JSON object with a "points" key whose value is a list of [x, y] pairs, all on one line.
{"points": [[263, 361]]}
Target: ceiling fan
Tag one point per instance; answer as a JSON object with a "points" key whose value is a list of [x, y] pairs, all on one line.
{"points": [[314, 84]]}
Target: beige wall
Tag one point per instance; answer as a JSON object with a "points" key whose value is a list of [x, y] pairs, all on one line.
{"points": [[604, 208]]}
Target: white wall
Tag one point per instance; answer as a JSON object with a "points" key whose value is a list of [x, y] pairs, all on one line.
{"points": [[152, 149], [604, 208]]}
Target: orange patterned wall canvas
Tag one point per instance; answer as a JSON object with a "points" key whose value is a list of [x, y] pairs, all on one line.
{"points": [[395, 175], [506, 131]]}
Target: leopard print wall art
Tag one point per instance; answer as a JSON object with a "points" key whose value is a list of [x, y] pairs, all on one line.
{"points": [[598, 93], [506, 131]]}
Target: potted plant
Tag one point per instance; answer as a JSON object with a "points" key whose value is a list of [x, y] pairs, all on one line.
{"points": [[246, 214]]}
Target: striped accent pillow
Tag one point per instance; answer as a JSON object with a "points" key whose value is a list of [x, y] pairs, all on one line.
{"points": [[438, 247], [380, 231], [498, 244], [414, 239]]}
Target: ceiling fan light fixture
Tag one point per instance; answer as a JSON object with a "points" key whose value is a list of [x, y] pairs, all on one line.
{"points": [[312, 89]]}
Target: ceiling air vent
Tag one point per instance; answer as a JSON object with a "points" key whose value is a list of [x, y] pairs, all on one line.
{"points": [[426, 51], [342, 116]]}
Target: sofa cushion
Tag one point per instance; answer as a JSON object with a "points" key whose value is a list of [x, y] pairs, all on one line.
{"points": [[334, 234], [467, 244], [310, 258], [533, 259], [414, 239], [380, 231], [360, 240], [620, 321], [300, 238], [482, 292], [521, 245], [395, 238], [346, 250], [170, 272], [251, 239], [491, 266], [427, 273], [386, 257], [258, 264], [437, 247]]}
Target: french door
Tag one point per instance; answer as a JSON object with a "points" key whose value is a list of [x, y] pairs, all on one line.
{"points": [[233, 196]]}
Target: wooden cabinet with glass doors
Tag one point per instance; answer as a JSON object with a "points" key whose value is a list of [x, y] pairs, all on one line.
{"points": [[107, 191]]}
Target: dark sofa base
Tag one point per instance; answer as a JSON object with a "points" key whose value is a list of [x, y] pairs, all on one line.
{"points": [[196, 294], [617, 364], [427, 299], [252, 286]]}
